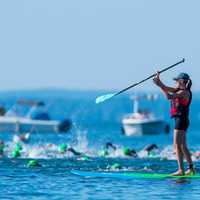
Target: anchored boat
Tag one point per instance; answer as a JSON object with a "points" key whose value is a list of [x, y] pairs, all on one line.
{"points": [[143, 122], [36, 119]]}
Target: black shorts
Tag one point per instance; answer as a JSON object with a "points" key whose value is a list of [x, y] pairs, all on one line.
{"points": [[181, 123]]}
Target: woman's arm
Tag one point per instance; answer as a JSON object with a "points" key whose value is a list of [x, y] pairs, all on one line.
{"points": [[166, 93], [165, 89], [160, 84]]}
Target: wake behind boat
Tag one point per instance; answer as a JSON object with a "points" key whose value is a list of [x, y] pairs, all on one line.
{"points": [[31, 116]]}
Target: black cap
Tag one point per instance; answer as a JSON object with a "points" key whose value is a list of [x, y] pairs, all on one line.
{"points": [[183, 76]]}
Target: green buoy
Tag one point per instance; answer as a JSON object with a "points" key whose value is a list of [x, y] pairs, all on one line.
{"points": [[103, 153], [116, 166], [18, 147], [126, 151], [2, 146], [152, 154], [16, 153], [62, 148], [33, 163], [85, 158]]}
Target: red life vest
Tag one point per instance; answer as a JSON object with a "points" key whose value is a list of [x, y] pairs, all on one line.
{"points": [[180, 106]]}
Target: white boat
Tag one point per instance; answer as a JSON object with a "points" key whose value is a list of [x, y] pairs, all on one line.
{"points": [[35, 120], [143, 122]]}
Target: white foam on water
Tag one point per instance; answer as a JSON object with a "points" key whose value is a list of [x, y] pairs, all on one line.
{"points": [[117, 153], [48, 150], [167, 153], [43, 151]]}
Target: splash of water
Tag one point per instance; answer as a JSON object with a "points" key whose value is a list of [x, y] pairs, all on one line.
{"points": [[49, 150], [82, 141]]}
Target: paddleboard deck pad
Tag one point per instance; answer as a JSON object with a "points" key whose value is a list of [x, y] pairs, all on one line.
{"points": [[127, 175]]}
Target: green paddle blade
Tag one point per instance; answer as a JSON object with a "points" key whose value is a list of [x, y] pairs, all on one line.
{"points": [[104, 98]]}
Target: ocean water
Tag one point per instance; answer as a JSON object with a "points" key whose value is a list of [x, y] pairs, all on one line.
{"points": [[93, 126]]}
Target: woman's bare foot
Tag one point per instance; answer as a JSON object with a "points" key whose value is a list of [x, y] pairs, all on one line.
{"points": [[190, 172], [178, 173]]}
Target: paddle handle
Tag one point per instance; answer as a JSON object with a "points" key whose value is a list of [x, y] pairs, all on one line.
{"points": [[167, 68]]}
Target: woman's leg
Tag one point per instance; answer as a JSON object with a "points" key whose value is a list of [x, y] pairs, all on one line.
{"points": [[185, 149], [178, 140], [187, 154]]}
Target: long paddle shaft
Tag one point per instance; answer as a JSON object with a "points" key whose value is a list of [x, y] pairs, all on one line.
{"points": [[109, 96], [167, 68]]}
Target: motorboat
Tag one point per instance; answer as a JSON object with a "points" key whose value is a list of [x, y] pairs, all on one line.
{"points": [[143, 122], [30, 116]]}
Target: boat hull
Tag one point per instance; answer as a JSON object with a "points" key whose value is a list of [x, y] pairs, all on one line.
{"points": [[144, 128], [15, 124]]}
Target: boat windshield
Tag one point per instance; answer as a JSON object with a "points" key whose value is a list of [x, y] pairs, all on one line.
{"points": [[29, 109]]}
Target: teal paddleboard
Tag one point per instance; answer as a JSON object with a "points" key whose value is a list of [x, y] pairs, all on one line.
{"points": [[127, 175]]}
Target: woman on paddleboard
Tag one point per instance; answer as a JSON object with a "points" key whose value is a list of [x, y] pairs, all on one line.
{"points": [[180, 97]]}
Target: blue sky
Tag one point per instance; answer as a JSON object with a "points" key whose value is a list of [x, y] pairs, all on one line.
{"points": [[90, 44]]}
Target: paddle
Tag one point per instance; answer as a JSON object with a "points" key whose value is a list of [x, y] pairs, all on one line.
{"points": [[103, 98]]}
